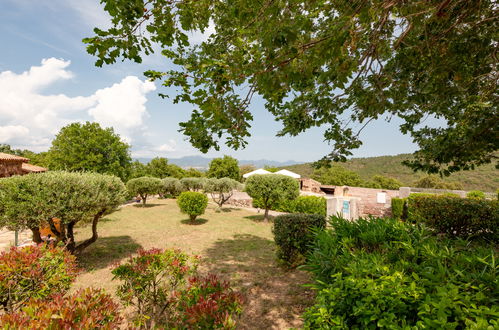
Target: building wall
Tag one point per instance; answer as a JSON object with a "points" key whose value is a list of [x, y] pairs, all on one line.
{"points": [[10, 168], [310, 185], [367, 200]]}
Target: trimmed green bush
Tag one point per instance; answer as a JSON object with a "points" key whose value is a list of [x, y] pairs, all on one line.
{"points": [[171, 187], [192, 203], [293, 236], [144, 186], [463, 217], [476, 194], [193, 184], [398, 205], [302, 204], [384, 273]]}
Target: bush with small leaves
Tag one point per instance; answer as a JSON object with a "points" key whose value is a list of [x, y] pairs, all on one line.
{"points": [[476, 194], [34, 272], [192, 203], [171, 187], [193, 184], [293, 235], [221, 189], [86, 309], [398, 208], [144, 186]]}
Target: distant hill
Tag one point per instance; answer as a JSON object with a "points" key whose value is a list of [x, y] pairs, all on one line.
{"points": [[485, 178], [201, 162]]}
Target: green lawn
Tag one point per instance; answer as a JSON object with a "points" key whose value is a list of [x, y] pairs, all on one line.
{"points": [[232, 243]]}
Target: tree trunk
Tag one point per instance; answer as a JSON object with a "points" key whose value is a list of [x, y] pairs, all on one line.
{"points": [[144, 199], [70, 241], [193, 218], [82, 246], [266, 215], [37, 238]]}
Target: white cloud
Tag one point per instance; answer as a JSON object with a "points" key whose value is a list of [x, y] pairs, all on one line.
{"points": [[31, 118], [154, 151]]}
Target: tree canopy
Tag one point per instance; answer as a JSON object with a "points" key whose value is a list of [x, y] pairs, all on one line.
{"points": [[338, 64], [144, 186], [89, 147], [338, 176], [226, 167]]}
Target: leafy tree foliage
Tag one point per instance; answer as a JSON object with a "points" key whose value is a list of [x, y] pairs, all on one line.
{"points": [[159, 168], [271, 189], [192, 203], [335, 63], [88, 147], [193, 173], [226, 167], [221, 189], [338, 176], [35, 200], [39, 159], [138, 170], [144, 186], [193, 184], [383, 182], [432, 181], [243, 169], [171, 186]]}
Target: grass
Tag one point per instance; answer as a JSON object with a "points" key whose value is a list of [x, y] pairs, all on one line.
{"points": [[233, 243]]}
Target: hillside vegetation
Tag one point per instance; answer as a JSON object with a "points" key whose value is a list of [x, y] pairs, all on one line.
{"points": [[485, 178]]}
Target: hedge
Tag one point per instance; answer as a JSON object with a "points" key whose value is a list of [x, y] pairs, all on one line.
{"points": [[302, 204], [462, 217], [293, 236]]}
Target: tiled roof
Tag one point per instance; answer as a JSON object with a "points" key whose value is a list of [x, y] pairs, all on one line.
{"points": [[8, 157], [33, 168]]}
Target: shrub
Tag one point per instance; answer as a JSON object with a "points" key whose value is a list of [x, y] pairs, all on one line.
{"points": [[221, 189], [193, 184], [375, 273], [149, 282], [171, 187], [34, 272], [310, 205], [209, 303], [33, 201], [292, 235], [398, 207], [144, 186], [226, 167], [271, 189], [192, 203], [476, 194], [86, 309], [464, 217]]}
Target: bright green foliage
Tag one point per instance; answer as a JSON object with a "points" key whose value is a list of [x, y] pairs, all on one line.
{"points": [[192, 203], [39, 159], [34, 272], [144, 186], [193, 173], [85, 309], [222, 189], [148, 282], [293, 236], [33, 201], [335, 63], [399, 208], [243, 169], [337, 175], [193, 184], [226, 167], [271, 169], [271, 189], [171, 187], [138, 170], [433, 181], [465, 217], [383, 273], [159, 168], [88, 147], [476, 194], [383, 182], [302, 204]]}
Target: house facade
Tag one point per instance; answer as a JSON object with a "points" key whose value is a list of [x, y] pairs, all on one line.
{"points": [[11, 165]]}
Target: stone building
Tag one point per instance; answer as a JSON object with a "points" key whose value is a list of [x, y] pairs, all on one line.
{"points": [[15, 165]]}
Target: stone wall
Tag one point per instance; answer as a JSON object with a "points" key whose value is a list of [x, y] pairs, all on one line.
{"points": [[310, 185], [10, 168], [367, 200]]}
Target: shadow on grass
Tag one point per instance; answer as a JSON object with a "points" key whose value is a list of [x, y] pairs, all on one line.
{"points": [[197, 222], [259, 218], [146, 206], [229, 209], [275, 297], [107, 251]]}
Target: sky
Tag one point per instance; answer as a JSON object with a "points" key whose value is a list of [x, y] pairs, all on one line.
{"points": [[47, 81]]}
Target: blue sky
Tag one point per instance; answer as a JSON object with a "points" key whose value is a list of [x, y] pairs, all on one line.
{"points": [[47, 80]]}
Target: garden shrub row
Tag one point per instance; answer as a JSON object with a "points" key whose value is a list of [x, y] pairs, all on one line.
{"points": [[462, 217], [302, 204], [293, 236], [384, 273]]}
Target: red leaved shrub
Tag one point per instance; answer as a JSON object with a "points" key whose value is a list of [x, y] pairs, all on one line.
{"points": [[34, 272], [86, 309]]}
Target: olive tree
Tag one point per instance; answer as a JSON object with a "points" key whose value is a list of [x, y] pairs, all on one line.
{"points": [[144, 186], [34, 201], [193, 184], [272, 189], [171, 186], [222, 189]]}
